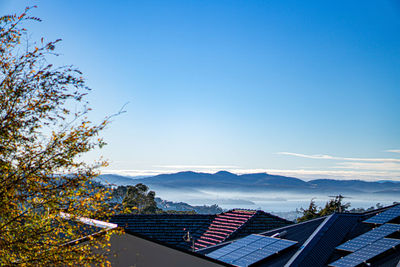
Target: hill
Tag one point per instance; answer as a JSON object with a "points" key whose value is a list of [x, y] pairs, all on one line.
{"points": [[116, 180], [257, 182]]}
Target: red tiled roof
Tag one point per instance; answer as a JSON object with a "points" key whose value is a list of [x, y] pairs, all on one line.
{"points": [[223, 226]]}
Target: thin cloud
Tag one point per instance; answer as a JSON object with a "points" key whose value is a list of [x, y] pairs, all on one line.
{"points": [[329, 157], [134, 173], [384, 166], [393, 150], [196, 166], [339, 174]]}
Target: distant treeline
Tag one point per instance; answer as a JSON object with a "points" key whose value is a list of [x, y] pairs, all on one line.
{"points": [[333, 205], [138, 199]]}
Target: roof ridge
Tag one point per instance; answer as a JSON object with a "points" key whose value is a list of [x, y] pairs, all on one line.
{"points": [[328, 221], [375, 211], [273, 215], [310, 244], [243, 210]]}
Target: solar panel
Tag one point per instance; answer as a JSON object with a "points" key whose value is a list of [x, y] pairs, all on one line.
{"points": [[385, 216], [366, 253], [250, 249], [263, 253], [369, 237], [234, 246], [263, 242]]}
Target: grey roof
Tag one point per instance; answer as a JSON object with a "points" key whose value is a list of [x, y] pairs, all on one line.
{"points": [[317, 241], [297, 232], [321, 244], [171, 228], [168, 228]]}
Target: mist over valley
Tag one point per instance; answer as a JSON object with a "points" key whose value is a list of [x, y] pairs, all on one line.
{"points": [[272, 193]]}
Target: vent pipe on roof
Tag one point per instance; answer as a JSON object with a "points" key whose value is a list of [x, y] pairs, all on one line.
{"points": [[280, 235]]}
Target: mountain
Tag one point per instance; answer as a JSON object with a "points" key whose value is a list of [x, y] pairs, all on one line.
{"points": [[224, 180], [115, 179], [358, 185]]}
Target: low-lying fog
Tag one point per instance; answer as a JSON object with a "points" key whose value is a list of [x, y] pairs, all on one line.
{"points": [[267, 201]]}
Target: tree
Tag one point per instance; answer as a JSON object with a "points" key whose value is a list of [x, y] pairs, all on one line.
{"points": [[310, 213], [41, 144], [333, 205], [139, 199]]}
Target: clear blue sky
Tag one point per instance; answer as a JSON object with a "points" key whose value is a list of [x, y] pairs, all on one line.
{"points": [[239, 85]]}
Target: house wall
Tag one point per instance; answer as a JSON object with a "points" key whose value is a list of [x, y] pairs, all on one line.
{"points": [[129, 250]]}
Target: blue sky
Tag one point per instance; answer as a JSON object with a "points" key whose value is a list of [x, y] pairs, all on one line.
{"points": [[245, 86]]}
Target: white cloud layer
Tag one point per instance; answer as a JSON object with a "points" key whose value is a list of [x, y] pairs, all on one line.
{"points": [[339, 174], [299, 173], [329, 157], [217, 167], [351, 168], [384, 166], [393, 150], [347, 168]]}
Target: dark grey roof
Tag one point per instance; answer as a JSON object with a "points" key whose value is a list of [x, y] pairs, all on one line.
{"points": [[169, 228], [297, 232], [317, 241], [321, 244], [319, 248]]}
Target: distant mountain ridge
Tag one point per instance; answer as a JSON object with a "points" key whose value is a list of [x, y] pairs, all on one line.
{"points": [[257, 181]]}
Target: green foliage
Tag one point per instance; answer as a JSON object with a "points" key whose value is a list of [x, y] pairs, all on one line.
{"points": [[310, 213], [360, 210], [333, 205], [41, 142], [184, 207], [139, 200], [119, 196]]}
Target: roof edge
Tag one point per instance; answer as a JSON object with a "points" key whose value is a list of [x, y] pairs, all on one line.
{"points": [[328, 220], [195, 254]]}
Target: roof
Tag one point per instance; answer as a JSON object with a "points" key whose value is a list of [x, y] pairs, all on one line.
{"points": [[206, 230], [118, 247], [223, 227], [318, 239], [167, 228], [84, 228], [238, 223], [250, 249], [320, 245], [297, 232]]}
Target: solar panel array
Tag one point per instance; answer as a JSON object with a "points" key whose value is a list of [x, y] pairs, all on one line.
{"points": [[385, 216], [250, 249], [369, 237], [366, 253]]}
